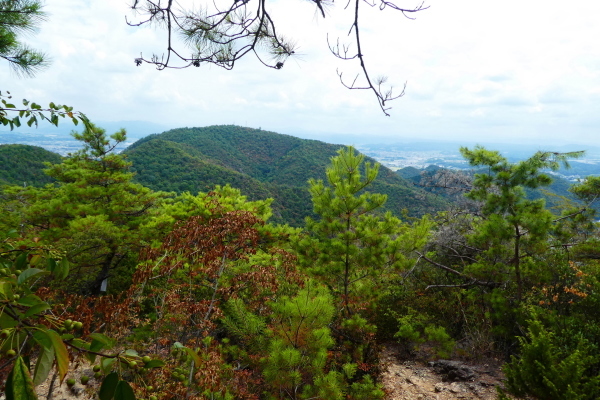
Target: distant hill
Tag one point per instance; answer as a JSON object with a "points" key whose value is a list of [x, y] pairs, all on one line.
{"points": [[555, 194], [410, 173], [23, 164], [262, 164]]}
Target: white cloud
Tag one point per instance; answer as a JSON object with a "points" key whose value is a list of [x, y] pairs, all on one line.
{"points": [[514, 70]]}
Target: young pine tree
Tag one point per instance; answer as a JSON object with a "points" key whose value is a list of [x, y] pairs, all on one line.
{"points": [[353, 247]]}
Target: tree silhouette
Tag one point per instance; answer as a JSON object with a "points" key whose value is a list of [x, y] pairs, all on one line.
{"points": [[222, 35]]}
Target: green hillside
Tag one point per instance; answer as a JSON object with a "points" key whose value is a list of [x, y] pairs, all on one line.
{"points": [[170, 166], [261, 164], [266, 156], [23, 164]]}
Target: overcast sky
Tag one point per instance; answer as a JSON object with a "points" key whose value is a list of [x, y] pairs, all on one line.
{"points": [[504, 71]]}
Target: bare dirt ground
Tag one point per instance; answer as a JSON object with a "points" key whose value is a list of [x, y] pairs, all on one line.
{"points": [[78, 391], [409, 379]]}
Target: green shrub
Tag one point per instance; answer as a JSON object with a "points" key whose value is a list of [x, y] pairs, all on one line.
{"points": [[415, 330], [548, 371]]}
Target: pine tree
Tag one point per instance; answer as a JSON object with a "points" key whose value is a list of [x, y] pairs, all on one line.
{"points": [[94, 212], [299, 341], [18, 17], [353, 248], [513, 225]]}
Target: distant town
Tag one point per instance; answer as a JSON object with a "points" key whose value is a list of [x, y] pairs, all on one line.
{"points": [[422, 155]]}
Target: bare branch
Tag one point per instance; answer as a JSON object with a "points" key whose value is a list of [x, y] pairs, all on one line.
{"points": [[224, 36], [382, 98], [472, 281]]}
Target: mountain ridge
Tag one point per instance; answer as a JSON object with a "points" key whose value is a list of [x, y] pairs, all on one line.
{"points": [[267, 161]]}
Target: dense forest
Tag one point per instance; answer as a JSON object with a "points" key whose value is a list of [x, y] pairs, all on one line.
{"points": [[24, 165], [174, 283]]}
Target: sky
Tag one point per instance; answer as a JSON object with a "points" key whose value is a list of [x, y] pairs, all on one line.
{"points": [[475, 71]]}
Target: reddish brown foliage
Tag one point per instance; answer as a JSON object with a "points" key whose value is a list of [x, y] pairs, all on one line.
{"points": [[200, 264], [112, 313], [203, 244]]}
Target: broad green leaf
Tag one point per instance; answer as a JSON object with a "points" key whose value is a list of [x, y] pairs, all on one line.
{"points": [[6, 321], [62, 269], [154, 364], [81, 343], [90, 357], [51, 264], [131, 352], [30, 300], [36, 309], [107, 364], [85, 345], [42, 338], [35, 260], [28, 273], [21, 261], [96, 345], [5, 290], [19, 385], [108, 387], [62, 355], [124, 391], [194, 355], [43, 365], [105, 340]]}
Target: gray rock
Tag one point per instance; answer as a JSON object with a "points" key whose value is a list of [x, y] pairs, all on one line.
{"points": [[452, 370]]}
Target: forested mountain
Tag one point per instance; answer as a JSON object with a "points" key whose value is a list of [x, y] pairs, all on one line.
{"points": [[262, 164], [22, 164]]}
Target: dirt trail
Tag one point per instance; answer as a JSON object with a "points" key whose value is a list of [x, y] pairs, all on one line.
{"points": [[438, 380]]}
